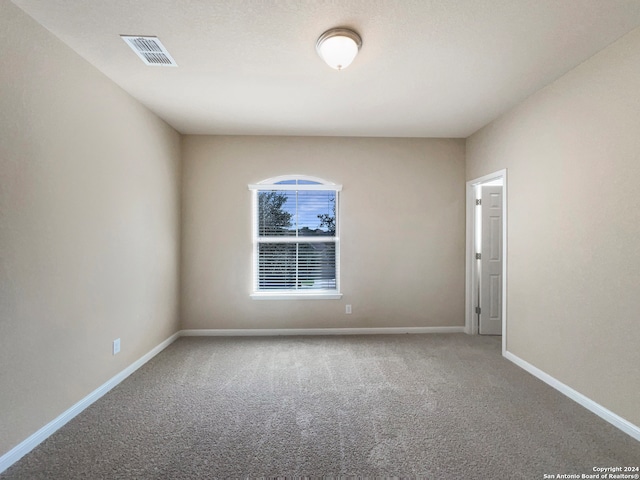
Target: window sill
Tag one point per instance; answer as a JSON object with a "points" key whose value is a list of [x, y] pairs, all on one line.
{"points": [[330, 295]]}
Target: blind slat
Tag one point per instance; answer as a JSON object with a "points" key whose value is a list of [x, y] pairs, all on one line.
{"points": [[295, 266]]}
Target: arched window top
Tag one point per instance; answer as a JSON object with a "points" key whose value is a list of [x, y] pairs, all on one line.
{"points": [[295, 182]]}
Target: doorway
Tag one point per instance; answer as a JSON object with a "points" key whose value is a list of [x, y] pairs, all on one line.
{"points": [[486, 259]]}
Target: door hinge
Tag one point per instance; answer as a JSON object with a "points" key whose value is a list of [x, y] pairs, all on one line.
{"points": [[478, 201], [478, 256], [478, 310]]}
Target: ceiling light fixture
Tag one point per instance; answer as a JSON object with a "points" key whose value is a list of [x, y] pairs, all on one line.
{"points": [[338, 47]]}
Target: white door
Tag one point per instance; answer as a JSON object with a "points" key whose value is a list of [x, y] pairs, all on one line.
{"points": [[490, 318]]}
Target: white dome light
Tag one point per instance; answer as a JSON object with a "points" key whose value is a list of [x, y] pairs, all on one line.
{"points": [[338, 47]]}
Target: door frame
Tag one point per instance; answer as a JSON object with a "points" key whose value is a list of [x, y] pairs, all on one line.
{"points": [[471, 321]]}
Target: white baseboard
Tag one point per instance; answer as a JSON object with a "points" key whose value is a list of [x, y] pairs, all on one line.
{"points": [[607, 415], [273, 332], [24, 447]]}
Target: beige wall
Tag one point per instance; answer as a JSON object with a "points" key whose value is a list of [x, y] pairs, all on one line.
{"points": [[573, 157], [89, 197], [402, 230], [90, 227]]}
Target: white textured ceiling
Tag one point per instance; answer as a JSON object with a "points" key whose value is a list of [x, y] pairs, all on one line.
{"points": [[427, 68]]}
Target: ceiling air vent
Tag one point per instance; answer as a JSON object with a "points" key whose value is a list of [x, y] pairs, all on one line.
{"points": [[150, 50]]}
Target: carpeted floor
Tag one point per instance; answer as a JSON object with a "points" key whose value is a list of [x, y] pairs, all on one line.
{"points": [[430, 406]]}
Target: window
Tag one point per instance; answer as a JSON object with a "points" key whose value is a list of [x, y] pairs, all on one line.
{"points": [[296, 248]]}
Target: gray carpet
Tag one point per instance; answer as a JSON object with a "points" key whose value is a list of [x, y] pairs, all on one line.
{"points": [[430, 406]]}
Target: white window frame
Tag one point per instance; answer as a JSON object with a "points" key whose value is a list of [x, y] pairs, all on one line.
{"points": [[272, 184]]}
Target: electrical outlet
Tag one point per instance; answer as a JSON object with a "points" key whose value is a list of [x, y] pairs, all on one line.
{"points": [[116, 346], [347, 310]]}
